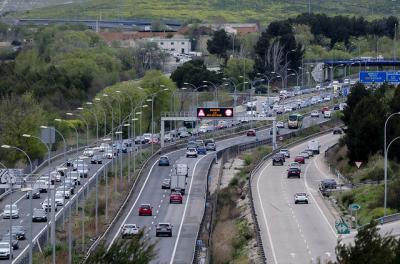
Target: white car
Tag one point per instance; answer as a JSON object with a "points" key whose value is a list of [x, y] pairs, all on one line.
{"points": [[46, 205], [129, 230], [315, 113], [103, 147], [88, 153], [287, 109], [300, 198], [55, 175], [66, 193], [280, 124], [327, 114], [305, 154], [5, 250], [108, 154], [191, 152], [168, 137], [294, 165], [74, 176], [10, 212], [285, 152], [59, 199]]}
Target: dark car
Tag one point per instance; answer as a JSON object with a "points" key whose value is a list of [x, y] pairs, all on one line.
{"points": [[210, 140], [277, 159], [39, 215], [293, 172], [201, 150], [18, 232], [251, 133], [271, 131], [336, 107], [166, 184], [164, 229], [337, 131], [211, 146], [300, 159], [14, 240], [97, 159], [163, 161], [328, 184], [35, 194]]}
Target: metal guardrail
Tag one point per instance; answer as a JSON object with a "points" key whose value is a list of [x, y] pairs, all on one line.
{"points": [[388, 218]]}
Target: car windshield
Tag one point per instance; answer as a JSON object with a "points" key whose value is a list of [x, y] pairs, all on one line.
{"points": [[145, 206], [163, 225], [7, 207], [301, 194], [192, 149], [4, 245]]}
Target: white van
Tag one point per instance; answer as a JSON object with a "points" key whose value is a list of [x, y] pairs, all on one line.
{"points": [[327, 114]]}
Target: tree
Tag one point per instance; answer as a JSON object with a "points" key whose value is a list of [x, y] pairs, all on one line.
{"points": [[237, 67], [369, 248], [194, 72], [358, 92], [125, 251], [219, 43]]}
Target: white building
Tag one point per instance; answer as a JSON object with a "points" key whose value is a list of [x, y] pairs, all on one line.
{"points": [[173, 45]]}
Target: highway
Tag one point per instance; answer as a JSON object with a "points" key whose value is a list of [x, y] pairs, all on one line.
{"points": [[295, 233], [186, 217]]}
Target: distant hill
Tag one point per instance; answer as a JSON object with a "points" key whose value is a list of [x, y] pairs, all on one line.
{"points": [[263, 11]]}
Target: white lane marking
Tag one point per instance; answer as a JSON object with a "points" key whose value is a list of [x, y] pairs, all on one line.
{"points": [[315, 201], [159, 206], [138, 197], [184, 210], [264, 215]]}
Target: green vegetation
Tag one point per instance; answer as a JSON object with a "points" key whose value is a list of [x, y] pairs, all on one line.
{"points": [[369, 247], [211, 10]]}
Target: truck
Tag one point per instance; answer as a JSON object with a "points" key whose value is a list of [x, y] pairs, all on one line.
{"points": [[179, 174], [251, 108], [314, 146]]}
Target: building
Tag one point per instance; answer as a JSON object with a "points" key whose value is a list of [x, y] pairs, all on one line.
{"points": [[173, 45], [235, 28], [129, 38]]}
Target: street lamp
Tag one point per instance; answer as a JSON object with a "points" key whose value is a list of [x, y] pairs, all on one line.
{"points": [[95, 119], [385, 161], [76, 132], [292, 50], [105, 116], [152, 114], [215, 89], [16, 148], [86, 123], [297, 76], [48, 148], [65, 143]]}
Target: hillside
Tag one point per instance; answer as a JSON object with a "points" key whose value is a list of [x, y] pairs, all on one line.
{"points": [[262, 11]]}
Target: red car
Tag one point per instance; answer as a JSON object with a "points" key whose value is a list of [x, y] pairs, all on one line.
{"points": [[251, 133], [325, 108], [146, 209], [299, 159], [176, 197]]}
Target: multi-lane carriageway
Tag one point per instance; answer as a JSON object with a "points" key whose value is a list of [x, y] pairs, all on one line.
{"points": [[295, 233], [185, 217]]}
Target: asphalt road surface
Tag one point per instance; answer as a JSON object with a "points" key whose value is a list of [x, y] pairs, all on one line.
{"points": [[185, 217], [295, 233]]}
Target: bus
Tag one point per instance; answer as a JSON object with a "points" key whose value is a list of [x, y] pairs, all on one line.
{"points": [[295, 121], [251, 108]]}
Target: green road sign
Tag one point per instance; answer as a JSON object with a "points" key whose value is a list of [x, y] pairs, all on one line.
{"points": [[354, 207]]}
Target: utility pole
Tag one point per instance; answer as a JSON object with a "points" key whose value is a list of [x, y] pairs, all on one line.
{"points": [[309, 7]]}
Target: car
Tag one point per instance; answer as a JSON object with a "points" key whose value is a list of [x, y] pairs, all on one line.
{"points": [[35, 194], [47, 205], [108, 154], [5, 250], [166, 184], [69, 186], [39, 215], [76, 162], [337, 131], [164, 229], [168, 137], [301, 198], [325, 108], [251, 133], [103, 147], [211, 146], [314, 113], [18, 232], [127, 142], [146, 138], [285, 152], [129, 230], [59, 199], [327, 114], [199, 142], [184, 134], [210, 140], [83, 170], [10, 211], [280, 124], [201, 150], [138, 140], [145, 209], [74, 177], [154, 140], [88, 153], [14, 240], [310, 152], [176, 197], [163, 161], [293, 172], [60, 191], [277, 159], [336, 107], [328, 184], [96, 159], [191, 152], [294, 165], [304, 154], [54, 176], [120, 148], [271, 131], [191, 144]]}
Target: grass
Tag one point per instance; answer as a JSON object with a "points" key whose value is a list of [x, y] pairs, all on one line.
{"points": [[211, 10]]}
